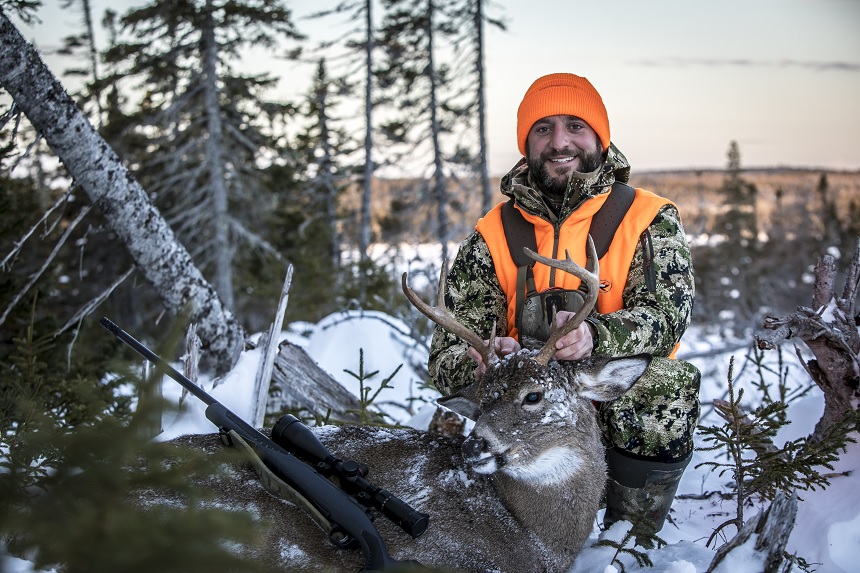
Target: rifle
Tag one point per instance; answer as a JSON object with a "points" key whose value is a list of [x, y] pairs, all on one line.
{"points": [[336, 506], [290, 433]]}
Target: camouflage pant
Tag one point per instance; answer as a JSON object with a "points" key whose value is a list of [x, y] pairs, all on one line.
{"points": [[657, 417]]}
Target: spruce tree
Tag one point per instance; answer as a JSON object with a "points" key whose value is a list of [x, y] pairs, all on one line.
{"points": [[356, 51], [416, 84], [203, 126], [759, 469], [471, 21]]}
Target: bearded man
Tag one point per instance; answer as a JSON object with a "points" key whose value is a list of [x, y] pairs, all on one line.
{"points": [[569, 171]]}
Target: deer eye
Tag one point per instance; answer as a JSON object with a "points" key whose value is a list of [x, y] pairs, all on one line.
{"points": [[533, 398]]}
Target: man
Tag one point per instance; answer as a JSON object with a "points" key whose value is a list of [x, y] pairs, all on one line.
{"points": [[568, 170]]}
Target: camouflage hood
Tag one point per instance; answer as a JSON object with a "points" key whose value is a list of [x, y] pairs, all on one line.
{"points": [[519, 184]]}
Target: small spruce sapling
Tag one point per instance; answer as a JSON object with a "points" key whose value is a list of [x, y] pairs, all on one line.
{"points": [[365, 398], [758, 467], [642, 531]]}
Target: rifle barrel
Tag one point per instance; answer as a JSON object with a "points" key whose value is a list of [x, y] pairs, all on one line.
{"points": [[155, 359]]}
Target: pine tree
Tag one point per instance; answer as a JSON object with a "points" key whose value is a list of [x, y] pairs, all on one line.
{"points": [[759, 468], [204, 125], [470, 19], [359, 47], [115, 193], [85, 41], [415, 82]]}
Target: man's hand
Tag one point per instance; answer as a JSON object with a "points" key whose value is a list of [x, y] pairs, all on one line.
{"points": [[576, 344], [504, 345]]}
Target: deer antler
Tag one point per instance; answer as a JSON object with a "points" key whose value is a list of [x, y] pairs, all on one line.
{"points": [[589, 275], [441, 316]]}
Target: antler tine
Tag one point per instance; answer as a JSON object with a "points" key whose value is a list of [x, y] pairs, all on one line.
{"points": [[589, 275], [441, 316]]}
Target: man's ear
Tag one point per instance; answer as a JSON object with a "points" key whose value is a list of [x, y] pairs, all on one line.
{"points": [[608, 379]]}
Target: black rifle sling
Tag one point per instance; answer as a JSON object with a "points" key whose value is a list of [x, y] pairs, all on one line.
{"points": [[520, 233]]}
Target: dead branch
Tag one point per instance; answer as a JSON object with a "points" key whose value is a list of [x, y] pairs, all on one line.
{"points": [[830, 331], [772, 527]]}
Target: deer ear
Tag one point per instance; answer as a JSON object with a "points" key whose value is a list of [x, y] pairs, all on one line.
{"points": [[463, 402], [610, 378]]}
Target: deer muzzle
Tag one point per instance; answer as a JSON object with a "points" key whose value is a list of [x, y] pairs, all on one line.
{"points": [[477, 455]]}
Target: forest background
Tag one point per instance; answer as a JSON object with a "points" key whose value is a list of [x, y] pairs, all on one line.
{"points": [[386, 149]]}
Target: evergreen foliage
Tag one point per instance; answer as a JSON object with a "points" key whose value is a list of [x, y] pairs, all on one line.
{"points": [[639, 531], [203, 125], [366, 416], [76, 470], [759, 468]]}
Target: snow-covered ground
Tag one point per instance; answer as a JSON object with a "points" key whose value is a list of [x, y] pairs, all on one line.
{"points": [[827, 530]]}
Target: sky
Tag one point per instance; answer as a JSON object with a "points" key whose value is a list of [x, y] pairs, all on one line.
{"points": [[681, 79]]}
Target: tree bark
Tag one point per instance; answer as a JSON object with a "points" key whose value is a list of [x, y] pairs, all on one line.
{"points": [[486, 191], [440, 183], [113, 190], [224, 248], [299, 383], [364, 220], [772, 527]]}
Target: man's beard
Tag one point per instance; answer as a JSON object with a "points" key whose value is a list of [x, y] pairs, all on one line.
{"points": [[588, 161]]}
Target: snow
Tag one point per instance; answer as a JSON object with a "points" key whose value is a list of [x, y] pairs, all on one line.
{"points": [[827, 530]]}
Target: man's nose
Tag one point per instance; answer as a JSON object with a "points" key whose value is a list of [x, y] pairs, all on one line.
{"points": [[559, 139]]}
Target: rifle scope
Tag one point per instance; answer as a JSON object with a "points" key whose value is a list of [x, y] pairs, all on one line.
{"points": [[291, 434]]}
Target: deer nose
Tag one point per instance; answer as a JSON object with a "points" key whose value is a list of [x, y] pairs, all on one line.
{"points": [[473, 447]]}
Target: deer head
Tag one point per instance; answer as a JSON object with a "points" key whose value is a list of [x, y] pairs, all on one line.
{"points": [[523, 400]]}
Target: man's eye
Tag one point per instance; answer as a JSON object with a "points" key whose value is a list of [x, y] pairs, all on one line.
{"points": [[533, 398]]}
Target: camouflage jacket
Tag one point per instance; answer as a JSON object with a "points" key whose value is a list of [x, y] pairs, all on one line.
{"points": [[651, 322]]}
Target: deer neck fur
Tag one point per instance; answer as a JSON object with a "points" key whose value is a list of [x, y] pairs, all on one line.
{"points": [[559, 512]]}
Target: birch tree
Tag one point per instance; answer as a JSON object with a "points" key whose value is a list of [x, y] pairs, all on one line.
{"points": [[117, 195]]}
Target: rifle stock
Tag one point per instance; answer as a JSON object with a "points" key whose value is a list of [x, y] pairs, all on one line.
{"points": [[332, 502]]}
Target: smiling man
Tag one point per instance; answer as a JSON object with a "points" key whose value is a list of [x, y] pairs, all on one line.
{"points": [[571, 183]]}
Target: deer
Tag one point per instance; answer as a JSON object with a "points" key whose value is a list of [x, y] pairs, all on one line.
{"points": [[520, 493]]}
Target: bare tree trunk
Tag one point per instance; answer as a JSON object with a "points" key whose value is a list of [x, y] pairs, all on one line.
{"points": [[830, 331], [440, 182], [223, 277], [326, 169], [486, 191], [364, 225], [118, 196], [772, 528], [94, 60]]}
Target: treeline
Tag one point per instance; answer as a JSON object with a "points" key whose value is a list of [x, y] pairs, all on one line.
{"points": [[757, 235], [251, 184]]}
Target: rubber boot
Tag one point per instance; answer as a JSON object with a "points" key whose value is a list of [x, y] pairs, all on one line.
{"points": [[641, 491]]}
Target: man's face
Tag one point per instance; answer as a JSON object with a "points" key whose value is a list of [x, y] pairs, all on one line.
{"points": [[557, 146]]}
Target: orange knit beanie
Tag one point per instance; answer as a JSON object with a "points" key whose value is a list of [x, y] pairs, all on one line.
{"points": [[558, 94]]}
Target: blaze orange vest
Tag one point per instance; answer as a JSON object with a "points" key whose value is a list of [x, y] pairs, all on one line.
{"points": [[571, 237]]}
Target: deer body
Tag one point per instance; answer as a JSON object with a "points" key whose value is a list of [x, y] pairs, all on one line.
{"points": [[519, 494]]}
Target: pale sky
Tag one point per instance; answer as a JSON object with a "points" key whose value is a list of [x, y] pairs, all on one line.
{"points": [[680, 78]]}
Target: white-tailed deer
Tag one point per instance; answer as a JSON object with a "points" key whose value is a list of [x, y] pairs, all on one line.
{"points": [[519, 494]]}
